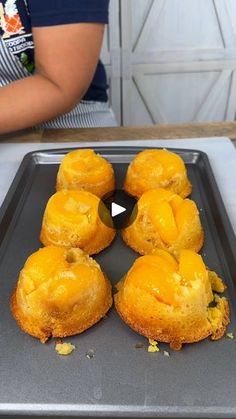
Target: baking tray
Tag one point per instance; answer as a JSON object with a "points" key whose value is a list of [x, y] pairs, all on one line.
{"points": [[121, 380]]}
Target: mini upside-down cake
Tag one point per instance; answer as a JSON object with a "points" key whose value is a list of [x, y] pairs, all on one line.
{"points": [[152, 169], [72, 219], [166, 221], [168, 301], [60, 292], [86, 170]]}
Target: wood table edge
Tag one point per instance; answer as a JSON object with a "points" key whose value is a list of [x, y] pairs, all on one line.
{"points": [[179, 131]]}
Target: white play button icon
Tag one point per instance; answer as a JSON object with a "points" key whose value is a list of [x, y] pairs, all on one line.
{"points": [[121, 206], [116, 209]]}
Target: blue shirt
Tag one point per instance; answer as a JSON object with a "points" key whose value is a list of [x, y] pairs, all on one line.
{"points": [[17, 17]]}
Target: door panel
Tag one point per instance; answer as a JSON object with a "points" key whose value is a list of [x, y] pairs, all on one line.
{"points": [[111, 57], [178, 60]]}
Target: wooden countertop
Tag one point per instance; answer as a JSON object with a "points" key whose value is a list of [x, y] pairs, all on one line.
{"points": [[195, 130]]}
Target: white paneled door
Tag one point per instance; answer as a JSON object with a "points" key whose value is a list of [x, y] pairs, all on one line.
{"points": [[177, 60]]}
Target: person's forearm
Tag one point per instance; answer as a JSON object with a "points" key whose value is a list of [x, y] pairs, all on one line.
{"points": [[30, 101]]}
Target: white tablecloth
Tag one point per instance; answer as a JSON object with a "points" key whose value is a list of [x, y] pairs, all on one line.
{"points": [[220, 151]]}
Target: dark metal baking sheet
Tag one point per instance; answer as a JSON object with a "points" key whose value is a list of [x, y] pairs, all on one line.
{"points": [[120, 381]]}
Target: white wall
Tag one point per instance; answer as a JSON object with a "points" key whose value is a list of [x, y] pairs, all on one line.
{"points": [[172, 61]]}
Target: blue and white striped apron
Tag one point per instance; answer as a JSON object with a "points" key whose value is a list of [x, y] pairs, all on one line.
{"points": [[86, 114]]}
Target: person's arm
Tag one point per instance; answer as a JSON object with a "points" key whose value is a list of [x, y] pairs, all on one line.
{"points": [[66, 57]]}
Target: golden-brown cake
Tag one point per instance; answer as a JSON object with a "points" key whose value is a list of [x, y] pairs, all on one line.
{"points": [[86, 170], [169, 301], [60, 292], [152, 169], [164, 220], [71, 219]]}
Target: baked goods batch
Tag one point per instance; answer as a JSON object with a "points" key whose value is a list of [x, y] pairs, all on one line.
{"points": [[60, 292], [164, 221], [168, 295], [71, 219], [168, 301], [153, 169], [86, 170]]}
